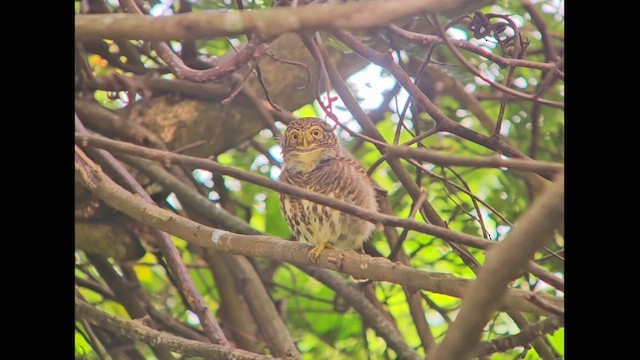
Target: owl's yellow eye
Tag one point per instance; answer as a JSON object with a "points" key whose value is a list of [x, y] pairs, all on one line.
{"points": [[316, 133]]}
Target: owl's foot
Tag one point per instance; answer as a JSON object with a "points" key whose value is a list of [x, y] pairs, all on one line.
{"points": [[314, 254]]}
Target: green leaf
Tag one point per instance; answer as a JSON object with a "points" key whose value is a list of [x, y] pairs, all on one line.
{"points": [[275, 223]]}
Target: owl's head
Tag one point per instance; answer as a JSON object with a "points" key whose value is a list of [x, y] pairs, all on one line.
{"points": [[306, 142]]}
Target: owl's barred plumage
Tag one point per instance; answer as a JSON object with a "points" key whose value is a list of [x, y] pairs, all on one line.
{"points": [[315, 160]]}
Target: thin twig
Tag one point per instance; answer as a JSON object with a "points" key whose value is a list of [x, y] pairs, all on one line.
{"points": [[96, 287], [91, 337], [522, 338], [558, 311], [263, 86], [138, 331], [443, 122], [262, 109], [550, 53], [479, 74], [474, 202], [508, 257], [432, 304], [386, 156], [264, 151], [540, 167], [239, 85], [127, 296], [294, 63], [462, 189], [414, 210], [430, 40], [503, 102]]}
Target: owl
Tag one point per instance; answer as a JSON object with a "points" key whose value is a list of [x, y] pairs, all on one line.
{"points": [[315, 160]]}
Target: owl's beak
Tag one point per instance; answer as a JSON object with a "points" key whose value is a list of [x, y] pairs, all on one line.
{"points": [[306, 140]]}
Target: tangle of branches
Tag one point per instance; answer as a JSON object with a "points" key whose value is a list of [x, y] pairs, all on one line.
{"points": [[176, 157]]}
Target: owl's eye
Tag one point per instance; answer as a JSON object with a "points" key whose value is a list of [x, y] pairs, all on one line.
{"points": [[316, 133], [294, 136]]}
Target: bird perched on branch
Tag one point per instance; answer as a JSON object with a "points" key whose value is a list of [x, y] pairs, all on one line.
{"points": [[315, 160]]}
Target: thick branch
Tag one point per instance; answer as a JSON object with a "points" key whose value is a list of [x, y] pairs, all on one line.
{"points": [[502, 263], [159, 86], [271, 326], [274, 331], [138, 331], [270, 22], [361, 266], [254, 49], [373, 216], [255, 298]]}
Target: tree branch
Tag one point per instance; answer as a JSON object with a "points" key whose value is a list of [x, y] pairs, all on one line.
{"points": [[159, 86], [540, 167], [221, 217], [186, 285], [372, 216], [370, 314], [168, 342], [522, 338], [357, 265], [549, 50], [256, 302], [443, 122], [97, 287], [266, 317], [426, 40], [271, 326], [272, 22], [502, 263], [478, 73], [126, 294]]}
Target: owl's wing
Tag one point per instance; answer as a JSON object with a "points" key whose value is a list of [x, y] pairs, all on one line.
{"points": [[345, 153]]}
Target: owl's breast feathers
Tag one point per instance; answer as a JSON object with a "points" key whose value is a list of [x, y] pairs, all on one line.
{"points": [[342, 178]]}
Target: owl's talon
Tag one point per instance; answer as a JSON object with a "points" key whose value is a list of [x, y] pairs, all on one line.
{"points": [[314, 253]]}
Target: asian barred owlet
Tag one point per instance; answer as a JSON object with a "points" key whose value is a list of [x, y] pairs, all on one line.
{"points": [[316, 161]]}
